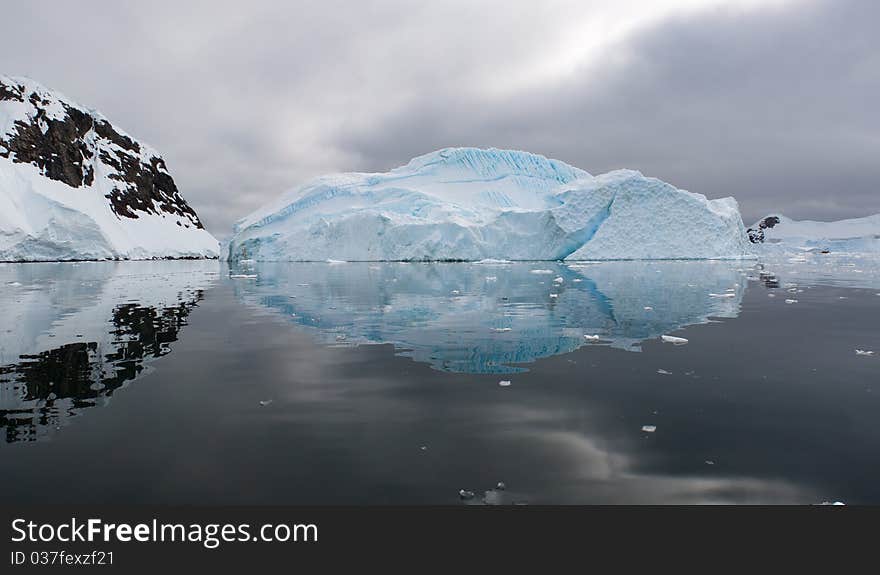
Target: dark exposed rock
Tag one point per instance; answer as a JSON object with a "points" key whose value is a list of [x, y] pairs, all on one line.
{"points": [[756, 236], [67, 146]]}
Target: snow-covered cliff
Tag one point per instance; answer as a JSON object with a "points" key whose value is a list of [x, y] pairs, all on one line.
{"points": [[75, 187]]}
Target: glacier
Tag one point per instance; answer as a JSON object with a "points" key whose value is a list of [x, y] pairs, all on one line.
{"points": [[777, 233], [75, 187], [471, 204]]}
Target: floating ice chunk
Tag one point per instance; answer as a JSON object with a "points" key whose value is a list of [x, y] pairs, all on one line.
{"points": [[864, 352], [558, 280], [265, 402], [649, 428], [465, 494], [341, 337], [329, 261], [579, 280], [649, 308], [501, 329], [504, 383], [771, 295], [500, 486], [591, 337], [243, 276], [709, 462], [542, 272], [491, 278], [554, 295], [673, 340], [492, 261], [832, 503], [455, 292], [664, 372], [791, 301], [722, 295]]}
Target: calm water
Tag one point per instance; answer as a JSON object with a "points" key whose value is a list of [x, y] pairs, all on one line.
{"points": [[188, 382]]}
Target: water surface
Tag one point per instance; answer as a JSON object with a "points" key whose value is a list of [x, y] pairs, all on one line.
{"points": [[188, 382]]}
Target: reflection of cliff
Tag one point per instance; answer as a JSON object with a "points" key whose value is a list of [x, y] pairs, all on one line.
{"points": [[79, 355], [485, 318]]}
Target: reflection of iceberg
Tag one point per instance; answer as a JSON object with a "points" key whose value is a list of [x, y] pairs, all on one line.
{"points": [[73, 333], [485, 318]]}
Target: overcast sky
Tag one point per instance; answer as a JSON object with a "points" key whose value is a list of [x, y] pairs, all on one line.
{"points": [[774, 102]]}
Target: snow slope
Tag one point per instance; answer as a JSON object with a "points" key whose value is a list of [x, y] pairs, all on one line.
{"points": [[777, 233], [75, 187], [473, 204]]}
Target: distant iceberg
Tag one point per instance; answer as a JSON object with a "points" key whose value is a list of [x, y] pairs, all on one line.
{"points": [[473, 204], [777, 233]]}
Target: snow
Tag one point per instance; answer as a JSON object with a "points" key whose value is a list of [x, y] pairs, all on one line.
{"points": [[858, 235], [489, 205], [47, 220]]}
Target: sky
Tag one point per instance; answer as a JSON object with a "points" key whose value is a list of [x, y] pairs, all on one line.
{"points": [[774, 102]]}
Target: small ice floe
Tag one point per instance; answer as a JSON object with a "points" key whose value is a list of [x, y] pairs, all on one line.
{"points": [[455, 292], [14, 284], [491, 278], [265, 402], [673, 340], [500, 486], [501, 329], [465, 495], [243, 276], [831, 503], [649, 428], [709, 462], [423, 448], [579, 280], [771, 295], [504, 383], [864, 352], [791, 301], [722, 295], [591, 337], [554, 295], [558, 280], [649, 308], [542, 272], [664, 372], [492, 261], [341, 337], [329, 261]]}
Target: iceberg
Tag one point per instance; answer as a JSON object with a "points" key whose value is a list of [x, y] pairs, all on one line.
{"points": [[469, 204], [75, 187], [777, 233]]}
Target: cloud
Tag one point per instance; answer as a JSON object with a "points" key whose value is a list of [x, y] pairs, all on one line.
{"points": [[771, 102]]}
